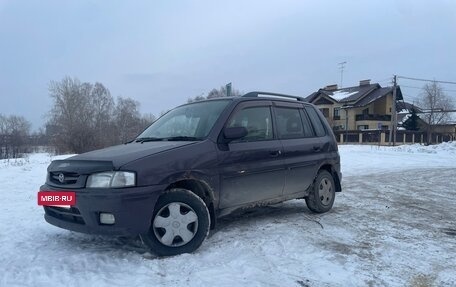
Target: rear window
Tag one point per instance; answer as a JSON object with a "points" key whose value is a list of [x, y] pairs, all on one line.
{"points": [[316, 122]]}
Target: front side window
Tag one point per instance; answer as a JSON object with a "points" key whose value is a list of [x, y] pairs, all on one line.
{"points": [[257, 121], [189, 121]]}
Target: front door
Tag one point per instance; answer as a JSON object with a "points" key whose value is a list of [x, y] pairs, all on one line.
{"points": [[252, 168]]}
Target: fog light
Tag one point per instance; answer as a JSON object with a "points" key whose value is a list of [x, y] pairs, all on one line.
{"points": [[107, 218]]}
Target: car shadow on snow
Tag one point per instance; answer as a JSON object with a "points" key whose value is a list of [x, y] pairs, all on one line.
{"points": [[277, 213], [102, 243], [239, 220]]}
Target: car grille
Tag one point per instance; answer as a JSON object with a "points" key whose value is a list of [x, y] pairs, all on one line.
{"points": [[71, 215], [68, 177]]}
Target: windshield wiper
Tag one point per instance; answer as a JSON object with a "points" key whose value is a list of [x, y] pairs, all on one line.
{"points": [[148, 139], [176, 138], [182, 138]]}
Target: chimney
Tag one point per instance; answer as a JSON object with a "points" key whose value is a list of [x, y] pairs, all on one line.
{"points": [[331, 87], [364, 82]]}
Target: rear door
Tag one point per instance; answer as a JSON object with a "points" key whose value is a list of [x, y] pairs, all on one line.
{"points": [[252, 168], [302, 148]]}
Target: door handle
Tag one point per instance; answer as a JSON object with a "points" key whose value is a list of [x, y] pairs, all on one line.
{"points": [[316, 148], [275, 153]]}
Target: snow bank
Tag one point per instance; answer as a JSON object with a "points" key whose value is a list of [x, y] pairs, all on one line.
{"points": [[369, 159], [387, 228]]}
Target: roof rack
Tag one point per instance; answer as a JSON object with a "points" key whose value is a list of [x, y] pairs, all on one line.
{"points": [[259, 94]]}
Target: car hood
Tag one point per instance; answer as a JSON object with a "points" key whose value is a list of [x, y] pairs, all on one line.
{"points": [[122, 154]]}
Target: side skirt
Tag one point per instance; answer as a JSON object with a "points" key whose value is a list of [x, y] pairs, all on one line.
{"points": [[229, 210]]}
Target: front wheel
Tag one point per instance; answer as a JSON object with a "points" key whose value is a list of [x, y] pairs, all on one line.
{"points": [[180, 223], [322, 193]]}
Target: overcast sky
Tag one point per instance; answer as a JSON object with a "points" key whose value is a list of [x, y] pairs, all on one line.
{"points": [[163, 52]]}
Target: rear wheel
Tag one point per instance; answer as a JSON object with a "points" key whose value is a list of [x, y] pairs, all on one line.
{"points": [[180, 223], [322, 193]]}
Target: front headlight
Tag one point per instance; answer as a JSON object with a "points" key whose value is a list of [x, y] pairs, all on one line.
{"points": [[113, 179]]}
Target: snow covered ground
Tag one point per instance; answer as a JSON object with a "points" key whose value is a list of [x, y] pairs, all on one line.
{"points": [[393, 225]]}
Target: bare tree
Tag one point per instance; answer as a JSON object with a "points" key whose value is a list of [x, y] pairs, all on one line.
{"points": [[20, 131], [195, 99], [14, 136], [147, 120], [86, 117], [4, 137], [71, 115], [215, 93], [435, 104], [222, 92], [103, 115], [128, 119]]}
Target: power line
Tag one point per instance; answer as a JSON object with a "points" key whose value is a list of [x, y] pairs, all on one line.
{"points": [[410, 96], [389, 80], [404, 86], [418, 88], [426, 80]]}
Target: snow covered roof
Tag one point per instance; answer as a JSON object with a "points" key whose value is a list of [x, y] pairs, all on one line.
{"points": [[403, 117], [357, 96], [341, 95], [403, 106]]}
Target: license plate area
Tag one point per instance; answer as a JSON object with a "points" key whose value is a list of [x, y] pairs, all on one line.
{"points": [[62, 199]]}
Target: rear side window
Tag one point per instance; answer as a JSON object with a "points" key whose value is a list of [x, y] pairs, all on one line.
{"points": [[316, 122], [257, 121], [290, 124], [308, 131]]}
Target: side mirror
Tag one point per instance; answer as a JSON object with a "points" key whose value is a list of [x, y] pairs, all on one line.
{"points": [[234, 133]]}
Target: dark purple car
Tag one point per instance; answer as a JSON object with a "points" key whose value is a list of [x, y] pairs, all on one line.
{"points": [[196, 163]]}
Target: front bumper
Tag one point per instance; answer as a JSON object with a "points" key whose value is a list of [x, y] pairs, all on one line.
{"points": [[132, 208]]}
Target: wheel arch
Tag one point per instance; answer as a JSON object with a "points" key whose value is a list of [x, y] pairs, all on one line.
{"points": [[330, 168], [202, 190]]}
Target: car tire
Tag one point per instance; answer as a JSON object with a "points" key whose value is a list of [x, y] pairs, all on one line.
{"points": [[180, 223], [322, 193]]}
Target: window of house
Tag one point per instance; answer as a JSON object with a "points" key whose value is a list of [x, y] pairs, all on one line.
{"points": [[363, 127], [366, 111], [257, 121], [336, 113], [325, 112]]}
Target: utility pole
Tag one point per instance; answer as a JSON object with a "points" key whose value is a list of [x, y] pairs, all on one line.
{"points": [[346, 124], [228, 89], [341, 68], [393, 129]]}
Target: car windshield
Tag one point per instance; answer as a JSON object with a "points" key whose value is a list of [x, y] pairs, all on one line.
{"points": [[189, 122]]}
